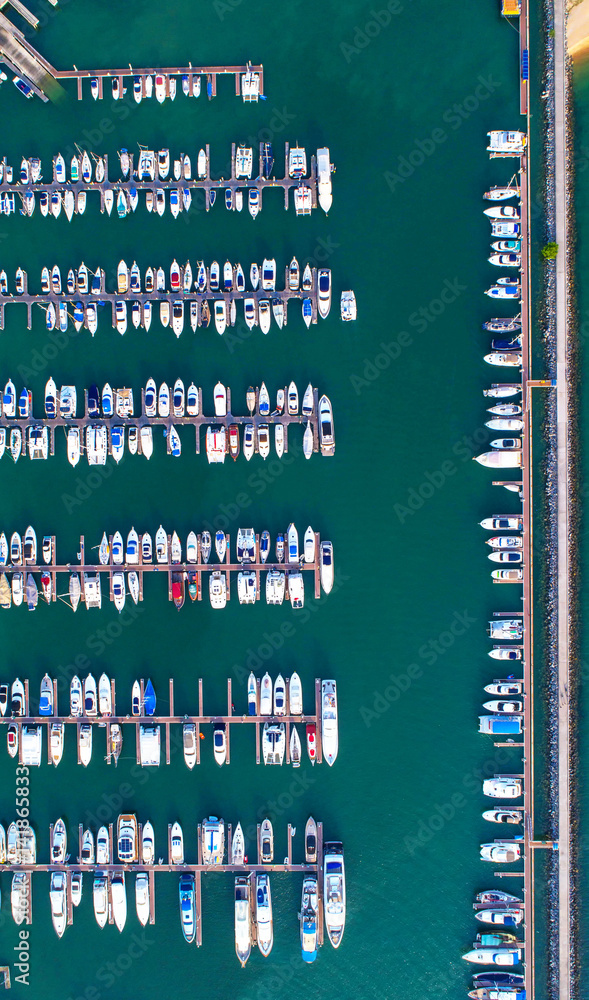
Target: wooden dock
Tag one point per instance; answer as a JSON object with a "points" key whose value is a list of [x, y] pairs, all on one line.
{"points": [[103, 298], [228, 719], [202, 420], [199, 567], [207, 186]]}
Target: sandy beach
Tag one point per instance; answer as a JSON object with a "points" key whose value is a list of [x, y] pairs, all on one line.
{"points": [[578, 29]]}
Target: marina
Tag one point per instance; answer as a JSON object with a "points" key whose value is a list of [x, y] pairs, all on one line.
{"points": [[25, 729], [109, 420], [135, 844], [167, 184], [126, 569]]}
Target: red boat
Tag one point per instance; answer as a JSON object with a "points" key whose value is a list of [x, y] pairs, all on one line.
{"points": [[234, 443], [46, 585], [312, 741], [175, 276], [178, 589]]}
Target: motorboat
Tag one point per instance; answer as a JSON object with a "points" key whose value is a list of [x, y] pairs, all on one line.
{"points": [[119, 900], [295, 747], [187, 899], [205, 546], [189, 744], [507, 688], [147, 844], [100, 899], [221, 545], [252, 694], [348, 307], [503, 522], [503, 788], [217, 590], [292, 400], [494, 956], [501, 853], [326, 566], [309, 544], [505, 542], [220, 743], [264, 545], [506, 916], [266, 842], [19, 897], [248, 441], [104, 695], [279, 696], [334, 891], [58, 843], [324, 298], [151, 398], [293, 544], [264, 922], [142, 902], [504, 359], [273, 743], [76, 888], [308, 918], [296, 590], [46, 698], [102, 847], [213, 841], [505, 653], [127, 838], [161, 545], [329, 721], [498, 459], [88, 854], [512, 816], [192, 401], [266, 692], [295, 695], [280, 547], [263, 440], [500, 707], [243, 917], [85, 744]]}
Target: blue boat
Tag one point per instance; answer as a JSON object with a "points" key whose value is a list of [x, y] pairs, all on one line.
{"points": [[23, 403], [506, 345], [212, 196], [228, 199], [308, 920], [149, 699], [23, 87], [121, 204], [93, 401]]}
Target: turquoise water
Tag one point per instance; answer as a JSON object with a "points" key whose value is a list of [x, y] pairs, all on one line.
{"points": [[405, 114]]}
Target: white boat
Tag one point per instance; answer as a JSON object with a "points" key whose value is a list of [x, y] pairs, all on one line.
{"points": [[58, 843], [191, 547], [504, 957], [85, 744], [161, 545], [334, 892], [309, 545], [102, 847], [119, 900], [147, 844], [87, 856], [296, 590], [142, 904], [238, 846], [329, 721], [220, 743], [293, 544], [243, 918], [127, 838], [324, 297], [146, 441], [500, 459], [266, 691], [295, 695], [326, 566], [56, 737], [308, 918], [217, 590], [213, 841], [503, 788], [104, 695], [19, 897], [264, 922], [348, 308], [264, 315], [273, 743], [76, 888], [189, 744], [279, 696], [100, 899]]}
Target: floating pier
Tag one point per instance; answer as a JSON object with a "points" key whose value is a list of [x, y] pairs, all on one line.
{"points": [[256, 419], [230, 718], [203, 317], [199, 568], [306, 184]]}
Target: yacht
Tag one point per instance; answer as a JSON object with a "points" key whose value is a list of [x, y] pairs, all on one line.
{"points": [[324, 298], [252, 695], [500, 459], [268, 275], [90, 692], [311, 841], [85, 744], [309, 545], [220, 743], [100, 899], [326, 566], [295, 695], [326, 429], [119, 900], [329, 721], [102, 847], [127, 838], [501, 853], [266, 695], [189, 744], [19, 897], [58, 843], [503, 788], [142, 905], [213, 841], [334, 891], [264, 924], [273, 743], [56, 736], [76, 697], [177, 845], [147, 844], [494, 956], [76, 888], [503, 522], [217, 590], [279, 696], [512, 816], [238, 846], [296, 590], [293, 544], [506, 689], [507, 916], [308, 919], [266, 842], [243, 916], [187, 907], [87, 856], [348, 308], [161, 545]]}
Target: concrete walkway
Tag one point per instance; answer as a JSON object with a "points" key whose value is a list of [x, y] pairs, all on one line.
{"points": [[564, 914]]}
